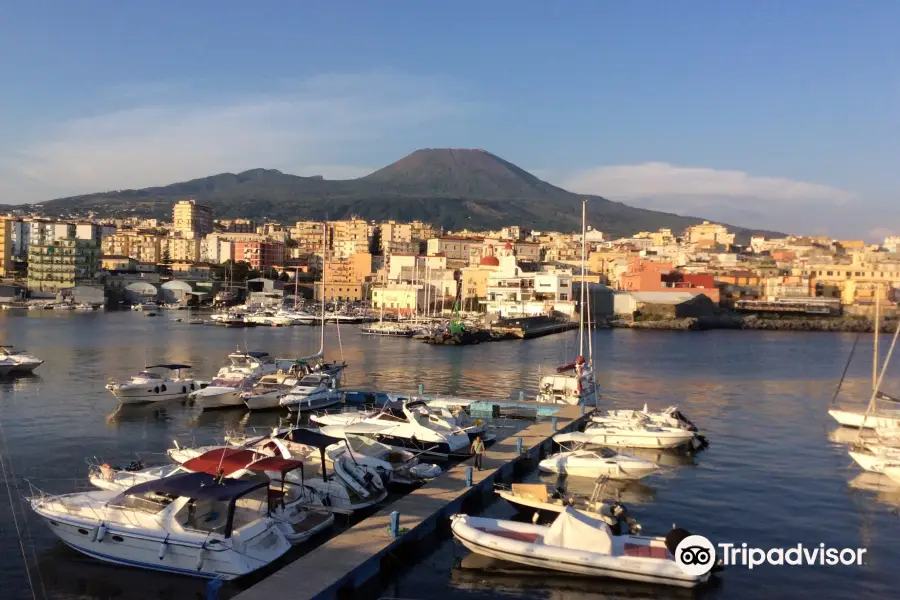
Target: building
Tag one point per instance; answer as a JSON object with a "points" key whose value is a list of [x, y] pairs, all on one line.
{"points": [[655, 306], [844, 280], [237, 225], [401, 298], [6, 246], [141, 245], [345, 278], [350, 236], [61, 264], [709, 232], [216, 249], [455, 248], [191, 219], [259, 254], [891, 243], [181, 249], [513, 290], [309, 237]]}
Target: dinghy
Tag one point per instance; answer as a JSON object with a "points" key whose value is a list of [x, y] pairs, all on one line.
{"points": [[577, 544]]}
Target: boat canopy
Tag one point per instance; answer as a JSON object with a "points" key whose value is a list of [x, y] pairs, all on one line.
{"points": [[308, 437], [173, 367], [275, 463], [228, 460], [198, 486]]}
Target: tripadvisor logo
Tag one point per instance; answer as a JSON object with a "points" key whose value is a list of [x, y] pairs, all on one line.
{"points": [[696, 555]]}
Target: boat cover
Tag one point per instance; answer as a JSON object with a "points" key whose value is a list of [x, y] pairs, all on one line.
{"points": [[199, 486], [308, 437], [576, 531], [228, 460]]}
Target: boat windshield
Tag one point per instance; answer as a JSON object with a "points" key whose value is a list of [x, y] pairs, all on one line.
{"points": [[149, 375], [313, 380], [242, 361], [233, 382], [211, 516], [149, 502]]}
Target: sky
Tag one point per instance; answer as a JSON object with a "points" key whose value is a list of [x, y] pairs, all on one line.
{"points": [[779, 115]]}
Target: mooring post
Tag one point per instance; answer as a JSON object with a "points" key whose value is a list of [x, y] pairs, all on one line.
{"points": [[468, 476], [421, 388], [521, 395], [553, 422], [519, 445], [212, 589], [395, 524]]}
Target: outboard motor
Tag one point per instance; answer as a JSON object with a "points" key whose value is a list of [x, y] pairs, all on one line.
{"points": [[624, 522]]}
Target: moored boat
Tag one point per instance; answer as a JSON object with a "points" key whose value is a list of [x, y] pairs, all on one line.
{"points": [[154, 384]]}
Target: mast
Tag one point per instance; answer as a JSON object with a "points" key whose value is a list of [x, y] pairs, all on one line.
{"points": [[875, 346], [582, 302], [296, 284], [324, 271]]}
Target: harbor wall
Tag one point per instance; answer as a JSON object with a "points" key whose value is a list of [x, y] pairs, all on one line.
{"points": [[838, 325]]}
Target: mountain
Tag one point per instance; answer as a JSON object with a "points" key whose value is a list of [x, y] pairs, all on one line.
{"points": [[454, 188]]}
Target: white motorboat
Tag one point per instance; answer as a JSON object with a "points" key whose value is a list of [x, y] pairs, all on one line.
{"points": [[6, 366], [395, 465], [893, 473], [597, 463], [268, 391], [577, 544], [412, 425], [355, 487], [191, 524], [235, 379], [22, 361], [297, 508], [632, 435], [388, 328], [153, 384], [315, 391], [669, 417], [858, 418]]}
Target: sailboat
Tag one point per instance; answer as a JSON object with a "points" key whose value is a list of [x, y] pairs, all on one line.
{"points": [[573, 383]]}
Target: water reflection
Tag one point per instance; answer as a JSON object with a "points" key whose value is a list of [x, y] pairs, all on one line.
{"points": [[886, 491]]}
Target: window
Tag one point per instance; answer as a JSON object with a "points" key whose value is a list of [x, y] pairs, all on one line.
{"points": [[563, 296]]}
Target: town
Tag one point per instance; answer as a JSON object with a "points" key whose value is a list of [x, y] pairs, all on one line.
{"points": [[416, 267]]}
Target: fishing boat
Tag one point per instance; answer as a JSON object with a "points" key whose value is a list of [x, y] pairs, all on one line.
{"points": [[21, 361], [154, 384], [597, 463], [315, 391], [191, 524], [577, 544]]}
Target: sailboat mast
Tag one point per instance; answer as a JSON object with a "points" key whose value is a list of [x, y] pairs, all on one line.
{"points": [[324, 271], [875, 344], [581, 306]]}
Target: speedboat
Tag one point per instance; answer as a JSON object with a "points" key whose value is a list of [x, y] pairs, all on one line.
{"points": [[573, 383], [191, 524], [22, 362], [669, 417], [153, 384], [298, 509], [597, 463], [577, 544], [634, 434], [6, 366], [314, 392], [235, 379], [351, 487], [267, 392], [412, 425]]}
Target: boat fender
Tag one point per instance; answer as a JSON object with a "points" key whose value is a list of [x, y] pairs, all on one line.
{"points": [[200, 558], [156, 389], [192, 387], [162, 548], [162, 388], [98, 533], [184, 389]]}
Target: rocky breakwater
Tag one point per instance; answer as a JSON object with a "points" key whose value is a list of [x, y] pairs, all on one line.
{"points": [[466, 338], [752, 322]]}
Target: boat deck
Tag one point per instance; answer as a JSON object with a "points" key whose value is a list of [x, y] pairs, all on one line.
{"points": [[352, 558]]}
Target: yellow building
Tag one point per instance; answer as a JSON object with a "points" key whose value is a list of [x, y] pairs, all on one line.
{"points": [[345, 278], [350, 236], [5, 246], [61, 264], [475, 283], [854, 282], [191, 219], [181, 249], [709, 232], [142, 246], [308, 235]]}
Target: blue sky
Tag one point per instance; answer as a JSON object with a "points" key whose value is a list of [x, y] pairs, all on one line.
{"points": [[770, 114]]}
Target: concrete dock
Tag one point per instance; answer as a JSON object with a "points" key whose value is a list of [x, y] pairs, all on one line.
{"points": [[352, 559]]}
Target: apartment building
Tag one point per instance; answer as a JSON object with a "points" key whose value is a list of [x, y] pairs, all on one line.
{"points": [[708, 232], [259, 254], [61, 263], [191, 219], [308, 236], [6, 246], [142, 246]]}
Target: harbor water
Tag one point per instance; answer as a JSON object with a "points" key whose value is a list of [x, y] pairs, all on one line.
{"points": [[776, 473]]}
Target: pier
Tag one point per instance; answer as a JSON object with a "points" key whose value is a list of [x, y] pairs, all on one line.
{"points": [[352, 559]]}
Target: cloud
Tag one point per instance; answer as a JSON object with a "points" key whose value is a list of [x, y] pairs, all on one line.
{"points": [[730, 196], [305, 127]]}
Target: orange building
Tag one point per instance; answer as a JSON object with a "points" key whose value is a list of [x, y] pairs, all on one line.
{"points": [[259, 255], [644, 275]]}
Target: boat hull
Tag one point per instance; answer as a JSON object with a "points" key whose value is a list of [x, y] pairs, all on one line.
{"points": [[315, 402], [263, 401], [625, 471], [218, 397], [859, 420], [25, 367], [140, 394], [630, 439]]}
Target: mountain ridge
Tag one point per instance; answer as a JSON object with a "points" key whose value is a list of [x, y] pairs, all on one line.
{"points": [[453, 188]]}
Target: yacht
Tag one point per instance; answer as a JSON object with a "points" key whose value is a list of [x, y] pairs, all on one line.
{"points": [[6, 366], [268, 391], [598, 463], [315, 391], [298, 509], [235, 379], [632, 434], [669, 417], [414, 426], [153, 384], [191, 524], [21, 360], [351, 486]]}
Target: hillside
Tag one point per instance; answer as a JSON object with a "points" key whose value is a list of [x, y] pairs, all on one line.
{"points": [[453, 188]]}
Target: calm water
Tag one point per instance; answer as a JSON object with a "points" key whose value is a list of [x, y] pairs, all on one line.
{"points": [[775, 474]]}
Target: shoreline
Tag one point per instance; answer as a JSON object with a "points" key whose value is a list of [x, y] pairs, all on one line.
{"points": [[754, 323]]}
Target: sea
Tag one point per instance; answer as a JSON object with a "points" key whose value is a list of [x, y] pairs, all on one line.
{"points": [[776, 473]]}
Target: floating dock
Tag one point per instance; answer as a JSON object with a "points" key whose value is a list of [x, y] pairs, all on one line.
{"points": [[352, 559]]}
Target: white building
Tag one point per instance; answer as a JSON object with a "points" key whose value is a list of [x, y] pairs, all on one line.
{"points": [[892, 243], [512, 291], [403, 298]]}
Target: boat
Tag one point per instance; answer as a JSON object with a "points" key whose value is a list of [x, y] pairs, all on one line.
{"points": [[351, 487], [573, 383], [6, 366], [298, 509], [413, 426], [191, 524], [234, 379], [578, 544], [539, 499], [267, 392], [388, 328], [154, 384], [668, 420], [315, 391], [85, 307], [22, 361], [598, 462], [668, 417], [631, 435]]}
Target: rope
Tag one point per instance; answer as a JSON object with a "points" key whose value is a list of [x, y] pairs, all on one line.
{"points": [[15, 517], [846, 367]]}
